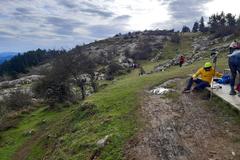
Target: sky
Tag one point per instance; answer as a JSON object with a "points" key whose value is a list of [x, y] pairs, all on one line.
{"points": [[56, 24]]}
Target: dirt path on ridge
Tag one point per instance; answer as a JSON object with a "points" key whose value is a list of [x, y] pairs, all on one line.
{"points": [[184, 127]]}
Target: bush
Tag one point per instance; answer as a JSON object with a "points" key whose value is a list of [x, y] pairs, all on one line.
{"points": [[17, 100], [224, 31], [109, 77], [53, 91], [114, 69], [143, 52], [127, 53], [175, 38]]}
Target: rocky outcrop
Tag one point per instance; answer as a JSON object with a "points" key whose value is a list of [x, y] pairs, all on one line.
{"points": [[9, 91], [222, 47], [200, 43], [20, 81], [21, 85], [200, 46], [175, 61]]}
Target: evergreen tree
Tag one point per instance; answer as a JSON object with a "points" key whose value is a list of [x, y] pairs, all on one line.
{"points": [[21, 62], [185, 29], [213, 23], [231, 21], [202, 25], [222, 19], [238, 22], [195, 27]]}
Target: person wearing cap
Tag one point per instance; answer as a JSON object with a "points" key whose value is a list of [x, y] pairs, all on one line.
{"points": [[203, 78]]}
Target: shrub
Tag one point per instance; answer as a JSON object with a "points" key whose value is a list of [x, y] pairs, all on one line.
{"points": [[224, 31], [175, 38], [127, 52], [114, 69], [17, 100], [143, 52], [53, 91]]}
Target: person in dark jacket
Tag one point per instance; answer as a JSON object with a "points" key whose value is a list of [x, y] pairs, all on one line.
{"points": [[181, 60], [234, 64]]}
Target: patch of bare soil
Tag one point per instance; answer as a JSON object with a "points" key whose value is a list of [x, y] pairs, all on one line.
{"points": [[184, 127]]}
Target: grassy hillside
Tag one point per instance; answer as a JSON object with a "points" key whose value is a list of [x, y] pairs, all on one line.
{"points": [[75, 131], [184, 47], [16, 137], [72, 132]]}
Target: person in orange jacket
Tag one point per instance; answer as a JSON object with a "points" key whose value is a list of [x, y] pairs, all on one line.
{"points": [[203, 78]]}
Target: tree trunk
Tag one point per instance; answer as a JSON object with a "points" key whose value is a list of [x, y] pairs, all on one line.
{"points": [[83, 91], [94, 86]]}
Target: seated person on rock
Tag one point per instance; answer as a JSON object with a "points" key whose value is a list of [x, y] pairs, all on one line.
{"points": [[203, 78]]}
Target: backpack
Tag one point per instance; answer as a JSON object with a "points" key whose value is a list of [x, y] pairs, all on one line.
{"points": [[224, 80]]}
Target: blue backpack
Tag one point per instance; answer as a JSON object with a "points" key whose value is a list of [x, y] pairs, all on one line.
{"points": [[224, 80]]}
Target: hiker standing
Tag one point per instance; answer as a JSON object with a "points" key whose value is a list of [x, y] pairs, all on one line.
{"points": [[203, 78], [232, 46], [181, 60], [234, 65]]}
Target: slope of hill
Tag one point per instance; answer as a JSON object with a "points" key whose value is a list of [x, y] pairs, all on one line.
{"points": [[107, 124]]}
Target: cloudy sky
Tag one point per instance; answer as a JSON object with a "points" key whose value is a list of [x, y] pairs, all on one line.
{"points": [[31, 24]]}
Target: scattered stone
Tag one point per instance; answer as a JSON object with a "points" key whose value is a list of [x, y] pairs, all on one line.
{"points": [[29, 133], [103, 142]]}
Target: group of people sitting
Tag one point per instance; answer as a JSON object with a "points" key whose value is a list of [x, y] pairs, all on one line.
{"points": [[204, 76]]}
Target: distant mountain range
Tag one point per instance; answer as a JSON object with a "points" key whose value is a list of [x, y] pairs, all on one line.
{"points": [[6, 56]]}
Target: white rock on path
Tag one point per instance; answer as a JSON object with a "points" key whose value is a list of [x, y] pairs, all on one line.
{"points": [[160, 91]]}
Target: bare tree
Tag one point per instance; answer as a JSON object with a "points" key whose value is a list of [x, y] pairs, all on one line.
{"points": [[76, 65]]}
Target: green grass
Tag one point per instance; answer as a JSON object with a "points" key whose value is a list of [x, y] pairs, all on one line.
{"points": [[36, 153], [227, 110], [14, 138], [184, 47], [117, 106], [116, 115]]}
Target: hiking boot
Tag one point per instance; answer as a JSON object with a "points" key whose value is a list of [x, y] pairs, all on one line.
{"points": [[186, 91], [233, 93]]}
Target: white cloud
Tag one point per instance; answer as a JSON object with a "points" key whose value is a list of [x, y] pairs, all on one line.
{"points": [[217, 6], [143, 13], [66, 23]]}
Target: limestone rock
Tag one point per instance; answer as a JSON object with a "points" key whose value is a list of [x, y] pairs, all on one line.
{"points": [[103, 142]]}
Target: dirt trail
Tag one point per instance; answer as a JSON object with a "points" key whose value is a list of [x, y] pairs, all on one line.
{"points": [[26, 149], [184, 127]]}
